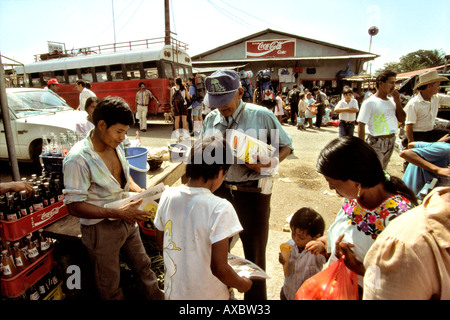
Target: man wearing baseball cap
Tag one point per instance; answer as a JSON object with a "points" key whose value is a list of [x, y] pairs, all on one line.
{"points": [[48, 98], [247, 186], [421, 110]]}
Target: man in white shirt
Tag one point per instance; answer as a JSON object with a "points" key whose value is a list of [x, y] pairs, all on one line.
{"points": [[381, 113], [143, 97], [347, 109], [85, 93], [421, 110]]}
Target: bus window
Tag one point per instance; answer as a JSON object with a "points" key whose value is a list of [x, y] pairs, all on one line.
{"points": [[47, 76], [150, 70], [35, 80], [133, 71], [181, 73], [167, 69], [86, 75], [116, 72], [101, 74], [73, 76], [59, 75]]}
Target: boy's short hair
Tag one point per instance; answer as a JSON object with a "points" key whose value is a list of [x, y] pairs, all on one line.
{"points": [[347, 90], [207, 157], [308, 219], [301, 95], [113, 110], [384, 75]]}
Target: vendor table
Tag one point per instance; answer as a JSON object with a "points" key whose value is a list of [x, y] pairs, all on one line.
{"points": [[68, 228]]}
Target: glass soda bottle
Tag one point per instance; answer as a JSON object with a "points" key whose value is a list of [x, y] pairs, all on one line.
{"points": [[44, 243], [47, 196], [12, 213], [46, 147], [59, 189], [9, 270], [33, 293], [25, 205], [38, 204], [19, 257], [33, 252]]}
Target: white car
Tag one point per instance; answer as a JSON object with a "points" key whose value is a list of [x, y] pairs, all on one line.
{"points": [[34, 113]]}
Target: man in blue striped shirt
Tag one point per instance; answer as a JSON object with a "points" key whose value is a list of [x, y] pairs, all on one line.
{"points": [[248, 186], [96, 172]]}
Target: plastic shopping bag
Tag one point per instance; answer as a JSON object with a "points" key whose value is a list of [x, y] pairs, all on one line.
{"points": [[335, 282]]}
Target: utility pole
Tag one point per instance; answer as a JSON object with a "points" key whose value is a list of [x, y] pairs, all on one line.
{"points": [[167, 22], [7, 126]]}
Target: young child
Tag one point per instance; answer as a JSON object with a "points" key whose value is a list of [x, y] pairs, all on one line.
{"points": [[194, 227], [347, 108], [301, 112], [309, 115], [278, 110], [306, 225]]}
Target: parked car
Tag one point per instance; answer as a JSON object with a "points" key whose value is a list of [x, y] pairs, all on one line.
{"points": [[34, 113]]}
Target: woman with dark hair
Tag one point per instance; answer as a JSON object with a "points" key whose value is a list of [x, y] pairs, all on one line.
{"points": [[372, 198], [180, 110]]}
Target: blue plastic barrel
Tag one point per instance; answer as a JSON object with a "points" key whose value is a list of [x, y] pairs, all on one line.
{"points": [[137, 159]]}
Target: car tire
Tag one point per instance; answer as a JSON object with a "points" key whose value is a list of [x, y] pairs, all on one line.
{"points": [[35, 151]]}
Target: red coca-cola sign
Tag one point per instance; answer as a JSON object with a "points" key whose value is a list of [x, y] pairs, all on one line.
{"points": [[270, 48]]}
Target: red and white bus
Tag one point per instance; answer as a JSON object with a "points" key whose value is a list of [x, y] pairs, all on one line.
{"points": [[115, 69]]}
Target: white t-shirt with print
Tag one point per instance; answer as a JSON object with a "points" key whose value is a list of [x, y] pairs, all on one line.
{"points": [[192, 220], [379, 116]]}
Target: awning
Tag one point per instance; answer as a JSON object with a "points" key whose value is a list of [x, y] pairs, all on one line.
{"points": [[407, 75]]}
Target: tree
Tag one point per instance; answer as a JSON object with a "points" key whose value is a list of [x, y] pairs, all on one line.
{"points": [[416, 60]]}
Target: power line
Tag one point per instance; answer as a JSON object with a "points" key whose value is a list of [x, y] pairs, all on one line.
{"points": [[248, 14], [138, 7], [229, 15]]}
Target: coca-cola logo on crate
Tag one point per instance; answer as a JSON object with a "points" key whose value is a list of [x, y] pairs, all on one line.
{"points": [[270, 48], [45, 216]]}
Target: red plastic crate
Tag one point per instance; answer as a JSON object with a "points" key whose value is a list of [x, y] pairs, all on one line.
{"points": [[15, 286], [15, 230]]}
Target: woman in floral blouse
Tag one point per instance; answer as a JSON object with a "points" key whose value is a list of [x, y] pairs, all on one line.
{"points": [[372, 198]]}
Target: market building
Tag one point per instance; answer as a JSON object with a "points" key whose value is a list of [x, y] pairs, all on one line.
{"points": [[291, 60]]}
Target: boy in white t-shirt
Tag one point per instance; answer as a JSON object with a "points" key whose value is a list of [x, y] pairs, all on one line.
{"points": [[194, 227], [347, 108]]}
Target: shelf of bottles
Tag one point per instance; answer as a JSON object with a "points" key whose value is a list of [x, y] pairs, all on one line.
{"points": [[26, 255], [55, 148]]}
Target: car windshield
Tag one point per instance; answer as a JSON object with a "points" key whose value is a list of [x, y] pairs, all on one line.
{"points": [[30, 103]]}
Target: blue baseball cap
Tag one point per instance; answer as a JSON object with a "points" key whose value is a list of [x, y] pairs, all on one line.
{"points": [[221, 87]]}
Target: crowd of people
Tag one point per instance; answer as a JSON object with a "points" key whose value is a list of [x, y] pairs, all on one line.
{"points": [[382, 232]]}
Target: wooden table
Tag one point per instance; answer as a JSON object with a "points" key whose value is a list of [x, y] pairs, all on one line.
{"points": [[68, 228]]}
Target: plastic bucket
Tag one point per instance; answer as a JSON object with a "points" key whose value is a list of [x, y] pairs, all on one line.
{"points": [[137, 159]]}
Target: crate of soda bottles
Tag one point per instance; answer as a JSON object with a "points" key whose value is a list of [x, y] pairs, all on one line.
{"points": [[20, 214], [25, 263]]}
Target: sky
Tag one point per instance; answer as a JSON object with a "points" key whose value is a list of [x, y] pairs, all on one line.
{"points": [[404, 25]]}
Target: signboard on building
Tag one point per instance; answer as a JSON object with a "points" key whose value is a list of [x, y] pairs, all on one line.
{"points": [[270, 48], [56, 47]]}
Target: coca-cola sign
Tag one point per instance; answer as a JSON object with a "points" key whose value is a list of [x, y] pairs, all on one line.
{"points": [[270, 48]]}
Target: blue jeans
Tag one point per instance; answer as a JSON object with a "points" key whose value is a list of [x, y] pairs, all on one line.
{"points": [[346, 128]]}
